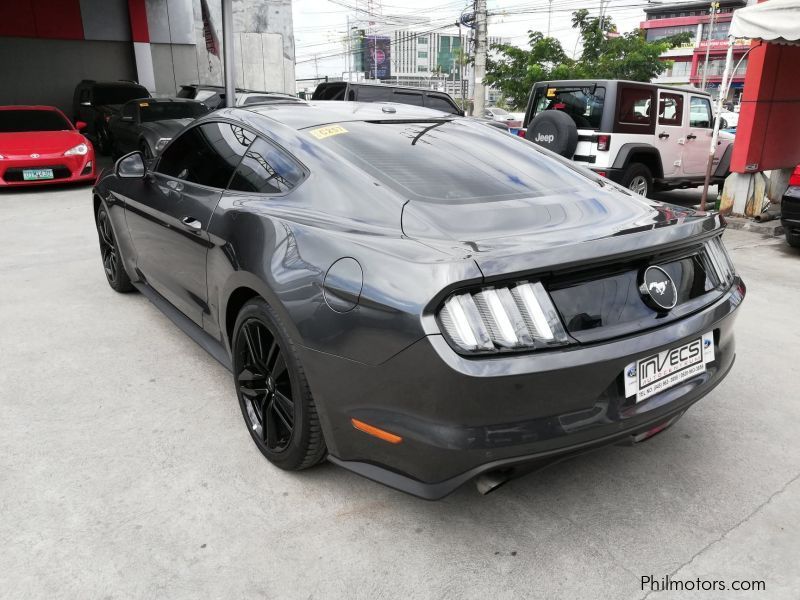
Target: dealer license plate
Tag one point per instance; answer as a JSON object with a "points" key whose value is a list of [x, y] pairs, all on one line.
{"points": [[34, 174], [666, 369]]}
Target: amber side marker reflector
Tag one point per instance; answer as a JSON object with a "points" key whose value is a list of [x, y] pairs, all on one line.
{"points": [[375, 432]]}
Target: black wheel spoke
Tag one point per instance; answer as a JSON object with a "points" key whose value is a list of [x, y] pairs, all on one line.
{"points": [[264, 386]]}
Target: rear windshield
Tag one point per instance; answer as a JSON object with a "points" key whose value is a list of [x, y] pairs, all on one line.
{"points": [[449, 161], [15, 121], [159, 111], [583, 104], [118, 94]]}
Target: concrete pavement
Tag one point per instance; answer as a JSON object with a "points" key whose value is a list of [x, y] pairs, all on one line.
{"points": [[126, 471]]}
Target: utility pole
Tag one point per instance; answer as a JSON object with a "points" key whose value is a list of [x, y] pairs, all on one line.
{"points": [[480, 58], [713, 11], [227, 42], [349, 51], [549, 14]]}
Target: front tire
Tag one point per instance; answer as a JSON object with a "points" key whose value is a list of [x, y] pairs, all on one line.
{"points": [[638, 179], [793, 239], [104, 141], [115, 272], [273, 393]]}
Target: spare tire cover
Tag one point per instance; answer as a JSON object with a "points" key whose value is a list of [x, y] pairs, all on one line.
{"points": [[554, 130]]}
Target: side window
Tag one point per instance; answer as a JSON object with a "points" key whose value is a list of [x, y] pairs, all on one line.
{"points": [[635, 106], [408, 98], [266, 169], [373, 93], [207, 154], [439, 103], [700, 112], [670, 109]]}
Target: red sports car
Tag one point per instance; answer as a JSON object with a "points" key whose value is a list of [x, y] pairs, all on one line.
{"points": [[38, 144]]}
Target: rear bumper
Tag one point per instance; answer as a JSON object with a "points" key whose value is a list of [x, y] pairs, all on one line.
{"points": [[461, 417]]}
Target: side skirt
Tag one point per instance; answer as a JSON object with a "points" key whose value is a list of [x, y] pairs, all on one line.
{"points": [[185, 324]]}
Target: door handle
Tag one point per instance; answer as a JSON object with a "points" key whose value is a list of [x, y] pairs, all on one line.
{"points": [[691, 136], [663, 135], [192, 223]]}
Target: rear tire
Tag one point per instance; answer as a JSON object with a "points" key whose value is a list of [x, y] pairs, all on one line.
{"points": [[638, 179], [113, 266], [273, 393]]}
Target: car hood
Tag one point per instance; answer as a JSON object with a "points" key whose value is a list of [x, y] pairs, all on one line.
{"points": [[40, 142], [167, 128], [507, 236]]}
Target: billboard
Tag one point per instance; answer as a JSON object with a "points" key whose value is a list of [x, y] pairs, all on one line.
{"points": [[377, 54]]}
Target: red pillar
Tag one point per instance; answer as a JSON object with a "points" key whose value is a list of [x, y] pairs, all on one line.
{"points": [[769, 120]]}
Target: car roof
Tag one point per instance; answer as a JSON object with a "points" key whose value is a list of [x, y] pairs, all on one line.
{"points": [[164, 100], [385, 86], [300, 115], [30, 107], [118, 83], [584, 82]]}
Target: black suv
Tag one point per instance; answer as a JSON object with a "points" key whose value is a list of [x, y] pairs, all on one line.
{"points": [[95, 102], [378, 92]]}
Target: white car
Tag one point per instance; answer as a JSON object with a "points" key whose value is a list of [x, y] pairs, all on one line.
{"points": [[496, 113], [728, 119], [611, 127]]}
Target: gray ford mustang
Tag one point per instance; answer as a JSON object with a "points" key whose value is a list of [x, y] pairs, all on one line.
{"points": [[418, 297]]}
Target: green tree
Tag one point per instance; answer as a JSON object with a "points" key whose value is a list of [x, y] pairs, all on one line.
{"points": [[604, 55], [517, 69]]}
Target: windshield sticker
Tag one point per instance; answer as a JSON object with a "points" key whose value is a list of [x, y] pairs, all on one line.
{"points": [[326, 132], [551, 92]]}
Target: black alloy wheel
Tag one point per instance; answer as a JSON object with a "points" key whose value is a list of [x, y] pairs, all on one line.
{"points": [[265, 385], [109, 252], [273, 393]]}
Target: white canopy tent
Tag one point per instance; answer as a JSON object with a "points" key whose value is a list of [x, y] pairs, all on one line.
{"points": [[774, 22]]}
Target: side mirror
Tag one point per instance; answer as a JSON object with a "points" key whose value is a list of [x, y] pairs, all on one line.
{"points": [[80, 125], [131, 166]]}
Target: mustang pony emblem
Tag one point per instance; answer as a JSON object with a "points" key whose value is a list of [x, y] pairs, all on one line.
{"points": [[660, 286]]}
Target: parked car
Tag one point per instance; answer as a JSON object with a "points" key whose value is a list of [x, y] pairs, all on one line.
{"points": [[417, 319], [790, 210], [95, 102], [213, 96], [39, 145], [501, 115], [728, 119], [379, 92], [611, 127], [148, 125]]}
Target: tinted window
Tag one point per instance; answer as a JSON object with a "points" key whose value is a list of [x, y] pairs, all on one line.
{"points": [[160, 111], [634, 106], [13, 121], [118, 94], [374, 94], [330, 92], [439, 103], [583, 104], [207, 154], [700, 112], [266, 169], [451, 161], [670, 109], [408, 98]]}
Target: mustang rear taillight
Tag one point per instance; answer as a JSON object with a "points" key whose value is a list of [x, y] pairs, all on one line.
{"points": [[493, 319], [720, 260], [603, 142]]}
